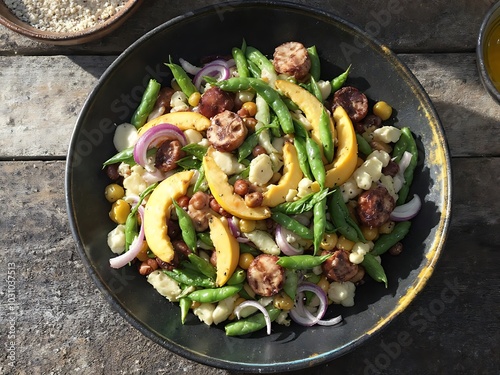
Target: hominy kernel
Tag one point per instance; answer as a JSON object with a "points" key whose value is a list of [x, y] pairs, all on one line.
{"points": [[344, 244]]}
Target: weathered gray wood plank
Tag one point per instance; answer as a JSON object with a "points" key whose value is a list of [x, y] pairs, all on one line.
{"points": [[403, 25], [64, 325], [38, 113]]}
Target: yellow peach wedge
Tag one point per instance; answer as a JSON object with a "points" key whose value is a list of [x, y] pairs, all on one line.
{"points": [[183, 120]]}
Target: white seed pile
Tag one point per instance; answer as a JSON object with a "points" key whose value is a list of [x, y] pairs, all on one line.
{"points": [[64, 15]]}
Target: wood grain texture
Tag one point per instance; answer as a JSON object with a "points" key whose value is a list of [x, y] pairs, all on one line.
{"points": [[64, 324], [403, 25]]}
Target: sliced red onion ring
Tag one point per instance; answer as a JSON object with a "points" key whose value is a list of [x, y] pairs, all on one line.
{"points": [[188, 67], [218, 69], [153, 137], [135, 247], [283, 244], [258, 306], [408, 210], [304, 317], [399, 178]]}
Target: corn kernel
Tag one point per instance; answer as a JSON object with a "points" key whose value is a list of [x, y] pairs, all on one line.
{"points": [[382, 110], [344, 244], [370, 234], [283, 301], [194, 99], [245, 260], [113, 192], [143, 253], [250, 108], [329, 241], [247, 226], [119, 211]]}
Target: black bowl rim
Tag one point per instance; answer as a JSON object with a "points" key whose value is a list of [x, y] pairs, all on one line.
{"points": [[404, 301], [481, 65]]}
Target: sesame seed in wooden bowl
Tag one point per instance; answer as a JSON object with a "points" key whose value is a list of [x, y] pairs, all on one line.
{"points": [[66, 22]]}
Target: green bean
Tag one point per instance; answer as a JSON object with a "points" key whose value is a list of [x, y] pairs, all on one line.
{"points": [[202, 265], [315, 70], [300, 147], [342, 219], [189, 162], [183, 80], [409, 171], [312, 277], [326, 136], [205, 238], [291, 282], [374, 268], [247, 146], [251, 324], [303, 204], [195, 149], [241, 62], [386, 241], [290, 104], [131, 231], [273, 98], [185, 305], [190, 277], [238, 277], [363, 145], [399, 149], [259, 59], [126, 156], [319, 224], [245, 248], [199, 181], [292, 225], [302, 262], [146, 105], [315, 162], [212, 295], [339, 81], [186, 225], [315, 90], [253, 69]]}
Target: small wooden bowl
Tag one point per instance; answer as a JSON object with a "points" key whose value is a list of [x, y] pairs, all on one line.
{"points": [[9, 20]]}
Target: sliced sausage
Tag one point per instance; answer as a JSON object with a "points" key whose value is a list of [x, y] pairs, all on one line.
{"points": [[292, 59], [227, 131], [353, 101], [370, 122], [214, 101], [391, 169], [338, 267], [168, 154], [264, 276], [162, 104], [375, 206]]}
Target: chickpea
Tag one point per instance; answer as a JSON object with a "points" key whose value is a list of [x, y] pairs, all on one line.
{"points": [[258, 150], [194, 99], [247, 226], [183, 201], [369, 233], [254, 199], [329, 241], [283, 302], [245, 260], [250, 108], [119, 211], [344, 244], [148, 266], [113, 192], [324, 284], [241, 187], [199, 200], [382, 110]]}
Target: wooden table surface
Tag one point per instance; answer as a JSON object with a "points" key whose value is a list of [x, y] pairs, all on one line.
{"points": [[59, 323]]}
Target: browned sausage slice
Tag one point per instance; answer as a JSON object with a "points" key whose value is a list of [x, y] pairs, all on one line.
{"points": [[375, 206], [214, 101], [292, 59], [265, 276], [168, 154], [227, 131], [353, 101], [338, 267]]}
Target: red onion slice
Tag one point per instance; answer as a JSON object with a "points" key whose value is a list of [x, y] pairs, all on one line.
{"points": [[153, 137], [188, 67], [135, 247], [218, 69], [283, 244], [304, 317], [258, 306], [408, 210]]}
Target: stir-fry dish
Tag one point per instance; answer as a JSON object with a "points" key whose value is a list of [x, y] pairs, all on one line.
{"points": [[250, 189]]}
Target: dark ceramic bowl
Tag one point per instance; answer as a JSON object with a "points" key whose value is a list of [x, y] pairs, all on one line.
{"points": [[215, 30]]}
